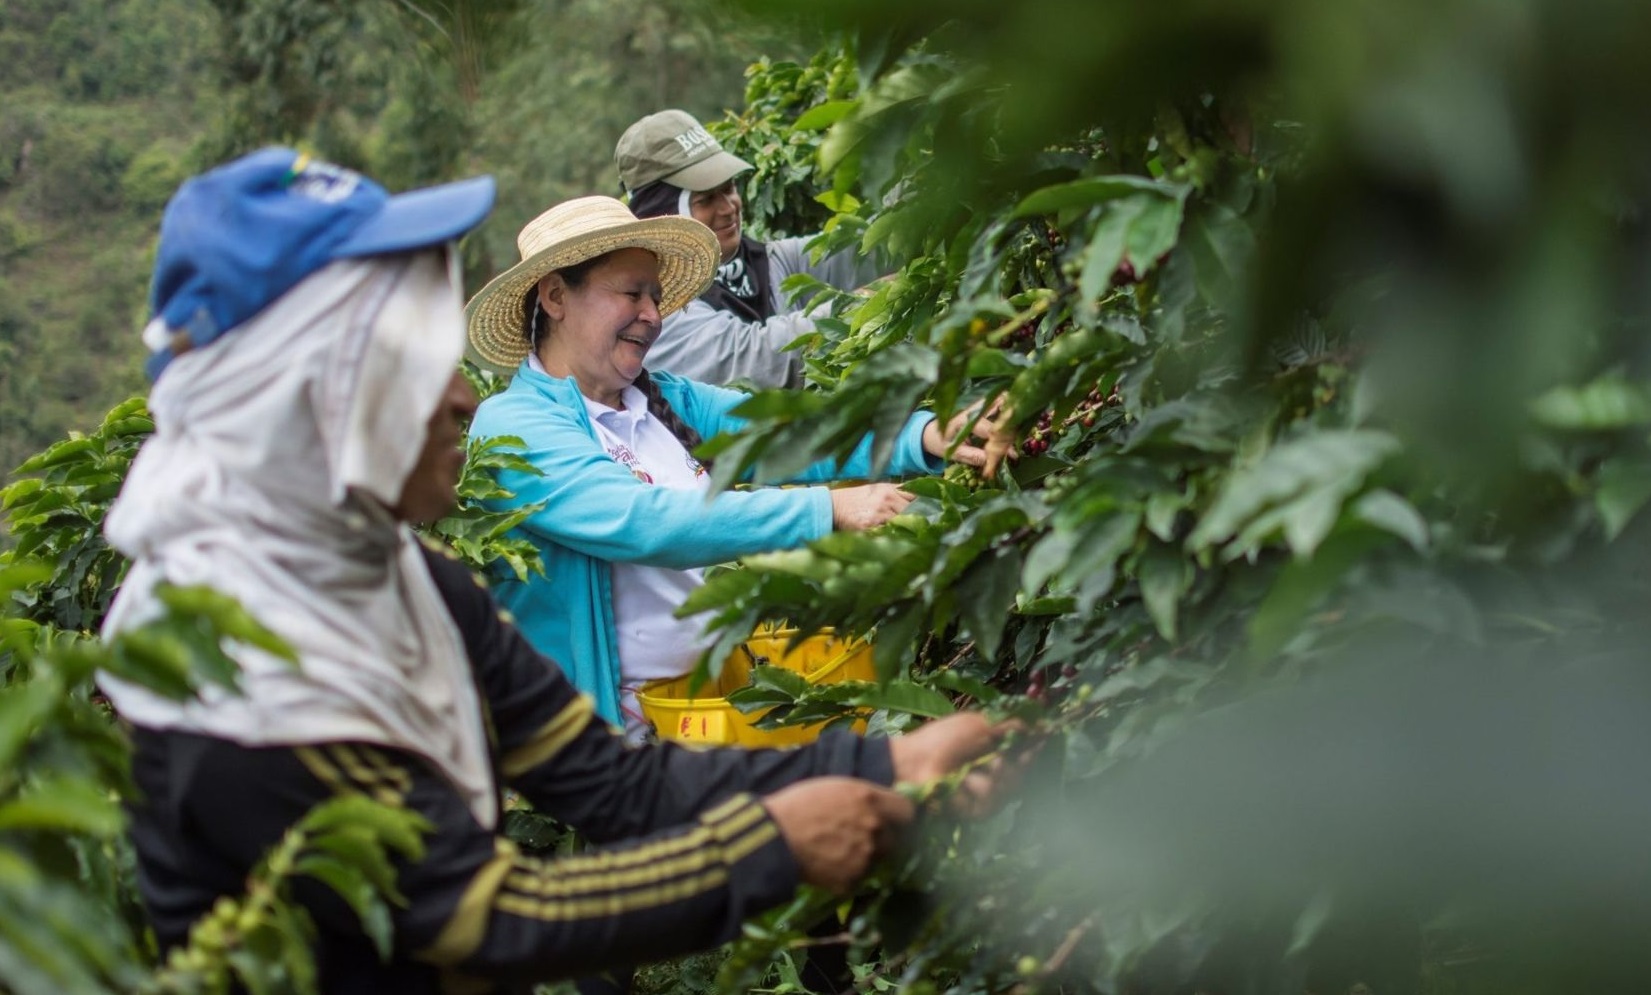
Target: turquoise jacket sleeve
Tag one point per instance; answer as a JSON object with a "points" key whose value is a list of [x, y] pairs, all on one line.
{"points": [[596, 507], [707, 409]]}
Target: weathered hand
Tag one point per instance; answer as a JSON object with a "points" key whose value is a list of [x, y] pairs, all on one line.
{"points": [[942, 746], [967, 424], [836, 827], [866, 506], [947, 744]]}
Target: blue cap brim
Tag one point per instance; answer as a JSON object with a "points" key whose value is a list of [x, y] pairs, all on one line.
{"points": [[422, 218]]}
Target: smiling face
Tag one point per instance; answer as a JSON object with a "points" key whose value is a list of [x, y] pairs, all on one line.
{"points": [[719, 210], [432, 487], [601, 326]]}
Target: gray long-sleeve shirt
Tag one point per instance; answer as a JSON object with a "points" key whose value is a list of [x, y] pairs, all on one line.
{"points": [[717, 347]]}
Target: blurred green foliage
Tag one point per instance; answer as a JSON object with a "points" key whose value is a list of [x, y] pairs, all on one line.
{"points": [[1320, 331], [56, 510]]}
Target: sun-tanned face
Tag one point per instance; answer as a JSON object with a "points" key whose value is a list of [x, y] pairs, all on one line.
{"points": [[432, 488], [601, 330], [719, 209]]}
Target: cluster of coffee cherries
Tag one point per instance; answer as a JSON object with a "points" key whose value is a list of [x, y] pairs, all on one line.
{"points": [[1045, 432], [1022, 338], [1053, 236], [226, 926], [1037, 441], [1038, 689], [1026, 336]]}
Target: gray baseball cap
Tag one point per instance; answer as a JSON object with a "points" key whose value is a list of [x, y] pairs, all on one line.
{"points": [[673, 147]]}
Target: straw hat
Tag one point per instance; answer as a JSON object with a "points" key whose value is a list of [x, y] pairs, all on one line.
{"points": [[572, 232]]}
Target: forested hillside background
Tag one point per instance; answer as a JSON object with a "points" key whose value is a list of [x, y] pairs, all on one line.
{"points": [[101, 106], [105, 107]]}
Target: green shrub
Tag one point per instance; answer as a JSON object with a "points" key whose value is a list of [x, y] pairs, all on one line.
{"points": [[16, 236], [77, 166], [152, 176]]}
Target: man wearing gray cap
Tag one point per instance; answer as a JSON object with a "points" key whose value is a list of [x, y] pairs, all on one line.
{"points": [[739, 328]]}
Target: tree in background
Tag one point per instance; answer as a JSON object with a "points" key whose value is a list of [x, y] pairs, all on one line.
{"points": [[585, 70], [107, 108], [96, 123]]}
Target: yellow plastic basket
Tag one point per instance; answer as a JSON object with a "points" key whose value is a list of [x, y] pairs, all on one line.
{"points": [[709, 720]]}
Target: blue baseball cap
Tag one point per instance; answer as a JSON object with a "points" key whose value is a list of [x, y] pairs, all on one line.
{"points": [[235, 238]]}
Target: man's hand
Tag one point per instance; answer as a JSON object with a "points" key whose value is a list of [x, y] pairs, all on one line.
{"points": [[948, 744], [972, 422], [836, 827]]}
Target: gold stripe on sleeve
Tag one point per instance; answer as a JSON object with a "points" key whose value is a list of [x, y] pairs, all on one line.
{"points": [[551, 739], [576, 883], [322, 768], [735, 851], [369, 781], [611, 904], [467, 926], [723, 809], [746, 815], [622, 861], [566, 879], [556, 881], [723, 822], [745, 829], [388, 771], [603, 884]]}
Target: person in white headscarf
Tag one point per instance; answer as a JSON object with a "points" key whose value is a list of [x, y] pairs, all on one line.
{"points": [[306, 332]]}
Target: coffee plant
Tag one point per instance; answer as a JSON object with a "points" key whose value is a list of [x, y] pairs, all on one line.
{"points": [[778, 133], [55, 508], [69, 914], [1278, 402]]}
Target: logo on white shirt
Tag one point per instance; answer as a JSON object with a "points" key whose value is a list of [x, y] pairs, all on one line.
{"points": [[624, 457]]}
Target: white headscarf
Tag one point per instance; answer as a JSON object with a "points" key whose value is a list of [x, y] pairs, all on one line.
{"points": [[277, 452]]}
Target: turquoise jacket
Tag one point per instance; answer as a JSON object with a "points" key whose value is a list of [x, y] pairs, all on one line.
{"points": [[596, 513]]}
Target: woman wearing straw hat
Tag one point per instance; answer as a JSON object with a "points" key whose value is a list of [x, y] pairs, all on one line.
{"points": [[625, 521], [306, 335]]}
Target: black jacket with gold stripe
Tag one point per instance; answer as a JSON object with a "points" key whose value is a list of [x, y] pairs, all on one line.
{"points": [[685, 851]]}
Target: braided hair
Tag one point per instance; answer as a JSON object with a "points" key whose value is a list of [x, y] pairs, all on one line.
{"points": [[537, 324], [661, 409]]}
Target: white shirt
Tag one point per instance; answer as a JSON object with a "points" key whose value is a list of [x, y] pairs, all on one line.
{"points": [[653, 643]]}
